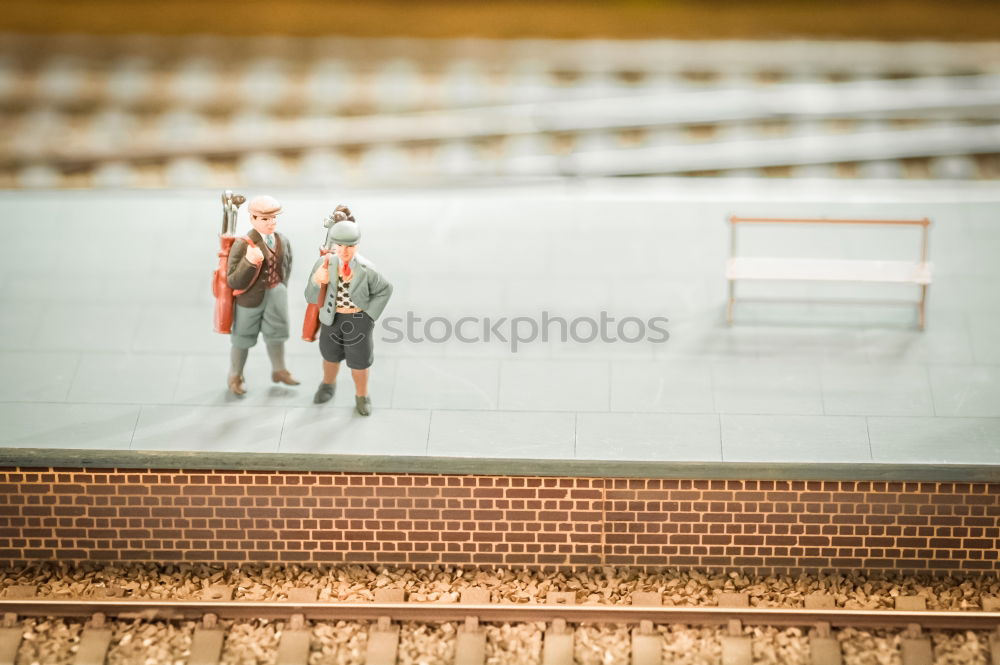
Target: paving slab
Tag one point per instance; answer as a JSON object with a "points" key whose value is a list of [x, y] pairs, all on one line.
{"points": [[499, 434], [648, 436]]}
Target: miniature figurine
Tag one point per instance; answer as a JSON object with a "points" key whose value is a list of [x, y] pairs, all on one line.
{"points": [[259, 265], [348, 313]]}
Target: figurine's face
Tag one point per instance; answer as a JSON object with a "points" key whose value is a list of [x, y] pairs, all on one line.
{"points": [[345, 252], [264, 224]]}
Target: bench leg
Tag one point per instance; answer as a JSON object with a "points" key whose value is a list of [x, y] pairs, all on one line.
{"points": [[921, 307], [729, 305]]}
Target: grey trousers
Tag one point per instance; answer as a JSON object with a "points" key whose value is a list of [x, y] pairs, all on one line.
{"points": [[269, 319]]}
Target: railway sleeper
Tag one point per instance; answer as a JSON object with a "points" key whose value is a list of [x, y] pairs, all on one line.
{"points": [[557, 645], [302, 595], [647, 645], [825, 648], [736, 647], [383, 643], [915, 649], [221, 592], [10, 639], [820, 601], [910, 603], [995, 647], [206, 643], [94, 642], [293, 648], [470, 643], [734, 600], [21, 592]]}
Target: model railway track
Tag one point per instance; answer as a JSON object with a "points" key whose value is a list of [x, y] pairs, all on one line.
{"points": [[383, 636], [924, 99], [126, 112]]}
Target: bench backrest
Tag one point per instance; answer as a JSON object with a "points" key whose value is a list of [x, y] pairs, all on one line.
{"points": [[734, 220]]}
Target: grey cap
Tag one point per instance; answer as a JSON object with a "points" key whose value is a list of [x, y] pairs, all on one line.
{"points": [[345, 233]]}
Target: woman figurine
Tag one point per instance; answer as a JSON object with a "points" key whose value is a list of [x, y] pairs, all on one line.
{"points": [[354, 300]]}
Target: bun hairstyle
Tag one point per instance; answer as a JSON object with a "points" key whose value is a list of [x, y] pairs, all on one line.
{"points": [[340, 214], [347, 211]]}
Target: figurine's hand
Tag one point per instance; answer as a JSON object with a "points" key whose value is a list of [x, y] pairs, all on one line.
{"points": [[321, 276], [254, 255]]}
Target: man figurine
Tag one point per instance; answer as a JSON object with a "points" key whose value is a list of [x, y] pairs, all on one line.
{"points": [[355, 298], [258, 273]]}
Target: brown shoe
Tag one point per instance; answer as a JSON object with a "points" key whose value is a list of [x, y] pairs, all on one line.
{"points": [[236, 385], [284, 376]]}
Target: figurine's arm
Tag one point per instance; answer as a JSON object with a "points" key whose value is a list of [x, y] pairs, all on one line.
{"points": [[287, 248], [312, 288], [379, 291], [240, 271]]}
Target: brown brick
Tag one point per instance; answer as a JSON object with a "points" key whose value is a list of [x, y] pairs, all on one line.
{"points": [[383, 518]]}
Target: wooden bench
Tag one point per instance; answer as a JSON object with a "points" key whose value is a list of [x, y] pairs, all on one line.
{"points": [[761, 268]]}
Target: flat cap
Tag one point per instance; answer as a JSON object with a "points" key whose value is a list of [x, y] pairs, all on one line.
{"points": [[345, 233], [264, 206]]}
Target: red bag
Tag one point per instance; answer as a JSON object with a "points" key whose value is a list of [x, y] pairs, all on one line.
{"points": [[310, 323], [225, 296]]}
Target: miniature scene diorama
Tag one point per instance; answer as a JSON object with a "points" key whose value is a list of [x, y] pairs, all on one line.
{"points": [[669, 332]]}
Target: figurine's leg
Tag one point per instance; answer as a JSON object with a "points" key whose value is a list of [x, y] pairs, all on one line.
{"points": [[360, 382], [274, 327], [276, 353], [325, 391], [332, 352], [330, 371], [237, 360], [279, 373], [360, 356], [246, 325]]}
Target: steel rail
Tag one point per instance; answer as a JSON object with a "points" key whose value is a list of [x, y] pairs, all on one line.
{"points": [[521, 613], [958, 96]]}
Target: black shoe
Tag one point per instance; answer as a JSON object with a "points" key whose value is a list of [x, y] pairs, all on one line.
{"points": [[324, 393], [363, 405]]}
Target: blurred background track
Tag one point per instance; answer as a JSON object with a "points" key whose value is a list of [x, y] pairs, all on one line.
{"points": [[226, 94], [143, 111], [682, 19]]}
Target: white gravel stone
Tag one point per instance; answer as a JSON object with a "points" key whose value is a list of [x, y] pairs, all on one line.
{"points": [[508, 644], [445, 584], [150, 643], [961, 648], [602, 645], [691, 646], [775, 646], [339, 643], [49, 642], [251, 643], [426, 644], [870, 647]]}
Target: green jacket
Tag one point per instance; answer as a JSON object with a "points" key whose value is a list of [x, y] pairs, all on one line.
{"points": [[368, 289]]}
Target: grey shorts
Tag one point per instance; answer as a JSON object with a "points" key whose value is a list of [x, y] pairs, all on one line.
{"points": [[269, 319], [350, 337]]}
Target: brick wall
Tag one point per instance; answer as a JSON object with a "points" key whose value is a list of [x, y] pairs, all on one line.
{"points": [[411, 519]]}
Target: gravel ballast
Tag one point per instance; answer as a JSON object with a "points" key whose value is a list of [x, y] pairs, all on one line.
{"points": [[139, 642]]}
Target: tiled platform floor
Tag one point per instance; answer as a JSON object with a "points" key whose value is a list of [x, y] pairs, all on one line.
{"points": [[106, 341]]}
